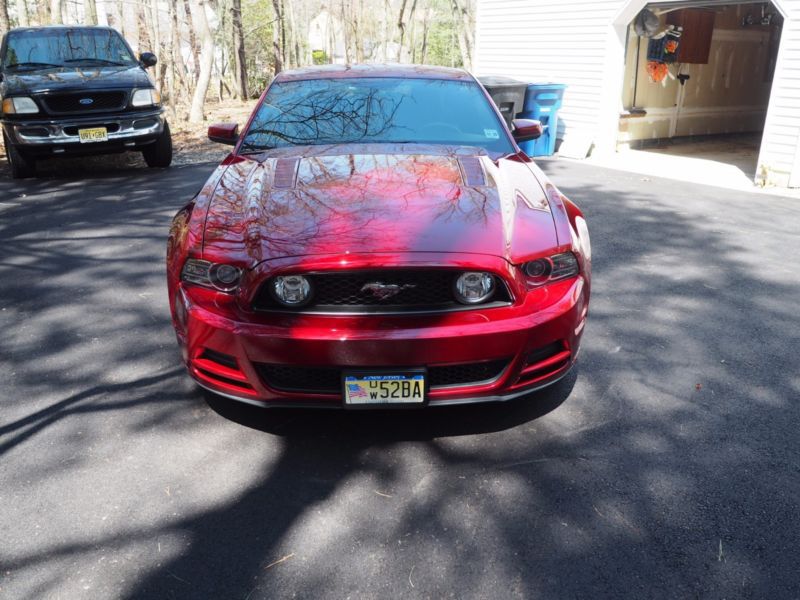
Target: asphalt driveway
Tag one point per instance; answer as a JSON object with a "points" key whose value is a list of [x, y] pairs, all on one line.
{"points": [[666, 466]]}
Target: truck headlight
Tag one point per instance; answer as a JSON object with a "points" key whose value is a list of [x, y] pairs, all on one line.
{"points": [[21, 105], [148, 97]]}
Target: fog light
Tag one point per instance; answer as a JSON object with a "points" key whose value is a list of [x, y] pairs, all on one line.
{"points": [[474, 287], [291, 290]]}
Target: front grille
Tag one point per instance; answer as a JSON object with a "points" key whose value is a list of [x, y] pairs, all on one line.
{"points": [[328, 380], [71, 103], [417, 290]]}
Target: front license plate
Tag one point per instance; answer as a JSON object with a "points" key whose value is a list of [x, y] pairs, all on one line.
{"points": [[96, 134], [363, 389]]}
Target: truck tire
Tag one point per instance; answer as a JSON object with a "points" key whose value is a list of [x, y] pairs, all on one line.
{"points": [[22, 166], [158, 155]]}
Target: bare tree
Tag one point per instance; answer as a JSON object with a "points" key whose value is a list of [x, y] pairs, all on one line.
{"points": [[22, 13], [239, 58], [4, 22], [91, 11], [466, 37], [192, 40], [278, 37], [206, 64], [57, 11]]}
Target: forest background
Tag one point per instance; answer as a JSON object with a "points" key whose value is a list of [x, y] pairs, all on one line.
{"points": [[216, 53]]}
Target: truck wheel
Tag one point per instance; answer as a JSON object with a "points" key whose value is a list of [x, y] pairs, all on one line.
{"points": [[159, 153], [21, 165]]}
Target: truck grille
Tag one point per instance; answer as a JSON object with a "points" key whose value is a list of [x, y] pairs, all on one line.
{"points": [[419, 290], [78, 102], [328, 380]]}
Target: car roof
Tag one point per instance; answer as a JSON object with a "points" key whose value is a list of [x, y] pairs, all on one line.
{"points": [[51, 27], [374, 70]]}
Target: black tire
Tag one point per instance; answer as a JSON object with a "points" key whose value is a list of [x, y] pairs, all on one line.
{"points": [[158, 155], [22, 166]]}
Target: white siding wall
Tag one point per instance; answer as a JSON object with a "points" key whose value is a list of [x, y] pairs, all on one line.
{"points": [[562, 41], [568, 41], [782, 129]]}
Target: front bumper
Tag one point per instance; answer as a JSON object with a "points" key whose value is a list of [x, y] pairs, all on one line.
{"points": [[538, 339], [126, 131]]}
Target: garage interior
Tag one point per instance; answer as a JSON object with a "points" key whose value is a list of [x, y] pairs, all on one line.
{"points": [[712, 101]]}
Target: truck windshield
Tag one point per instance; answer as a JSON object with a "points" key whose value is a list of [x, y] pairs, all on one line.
{"points": [[376, 110], [64, 47]]}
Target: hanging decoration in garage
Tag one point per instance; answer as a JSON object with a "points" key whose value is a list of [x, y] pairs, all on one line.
{"points": [[662, 51]]}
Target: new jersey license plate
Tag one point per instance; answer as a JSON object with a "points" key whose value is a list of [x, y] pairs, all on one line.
{"points": [[95, 134], [406, 388]]}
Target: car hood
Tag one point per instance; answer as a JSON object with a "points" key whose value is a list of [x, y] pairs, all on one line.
{"points": [[379, 199], [79, 78]]}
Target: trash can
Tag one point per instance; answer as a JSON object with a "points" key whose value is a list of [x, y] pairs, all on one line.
{"points": [[508, 94], [542, 101]]}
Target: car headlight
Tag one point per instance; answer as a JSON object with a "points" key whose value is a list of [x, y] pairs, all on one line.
{"points": [[474, 287], [222, 277], [20, 106], [291, 290], [148, 97], [551, 268]]}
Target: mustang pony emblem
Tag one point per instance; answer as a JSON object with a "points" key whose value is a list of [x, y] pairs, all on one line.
{"points": [[383, 291]]}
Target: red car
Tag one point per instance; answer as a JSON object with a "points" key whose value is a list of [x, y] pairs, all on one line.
{"points": [[377, 238]]}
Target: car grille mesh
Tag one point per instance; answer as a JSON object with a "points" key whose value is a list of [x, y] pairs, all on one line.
{"points": [[71, 103], [418, 290], [328, 380]]}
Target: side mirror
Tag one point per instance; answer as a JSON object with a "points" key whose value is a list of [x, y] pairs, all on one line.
{"points": [[148, 59], [526, 129], [224, 133]]}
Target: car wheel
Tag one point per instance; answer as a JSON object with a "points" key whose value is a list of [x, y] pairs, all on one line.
{"points": [[159, 153], [22, 166]]}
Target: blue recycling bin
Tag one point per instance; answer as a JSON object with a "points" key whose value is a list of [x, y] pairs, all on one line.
{"points": [[542, 101]]}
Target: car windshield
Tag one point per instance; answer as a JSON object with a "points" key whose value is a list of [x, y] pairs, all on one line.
{"points": [[59, 47], [376, 110]]}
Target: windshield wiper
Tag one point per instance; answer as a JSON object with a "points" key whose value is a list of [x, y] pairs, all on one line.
{"points": [[96, 60], [32, 65]]}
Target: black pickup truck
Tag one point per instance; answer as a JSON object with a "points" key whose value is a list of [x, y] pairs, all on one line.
{"points": [[77, 90]]}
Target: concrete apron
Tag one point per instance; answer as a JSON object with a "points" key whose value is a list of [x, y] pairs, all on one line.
{"points": [[720, 163]]}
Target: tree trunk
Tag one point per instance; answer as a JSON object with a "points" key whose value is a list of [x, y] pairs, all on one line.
{"points": [[44, 13], [56, 11], [401, 25], [207, 63], [466, 37], [278, 37], [22, 13], [90, 11], [294, 37], [4, 22], [425, 29], [239, 64], [192, 39]]}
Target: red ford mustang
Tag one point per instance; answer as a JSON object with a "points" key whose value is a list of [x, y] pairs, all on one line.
{"points": [[377, 238]]}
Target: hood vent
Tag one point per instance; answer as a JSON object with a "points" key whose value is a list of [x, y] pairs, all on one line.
{"points": [[472, 171], [285, 173]]}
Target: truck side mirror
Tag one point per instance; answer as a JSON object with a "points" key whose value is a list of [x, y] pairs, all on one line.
{"points": [[148, 59]]}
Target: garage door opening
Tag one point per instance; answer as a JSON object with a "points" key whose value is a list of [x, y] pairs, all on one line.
{"points": [[698, 79]]}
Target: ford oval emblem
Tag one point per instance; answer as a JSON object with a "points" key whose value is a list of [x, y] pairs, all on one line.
{"points": [[86, 101]]}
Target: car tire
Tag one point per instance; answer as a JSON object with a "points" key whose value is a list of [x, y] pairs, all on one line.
{"points": [[22, 166], [158, 155]]}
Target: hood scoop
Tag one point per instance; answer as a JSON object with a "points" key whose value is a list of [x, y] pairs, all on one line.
{"points": [[472, 171], [285, 175]]}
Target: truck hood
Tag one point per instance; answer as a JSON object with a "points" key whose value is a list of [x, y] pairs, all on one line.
{"points": [[396, 200], [73, 78]]}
